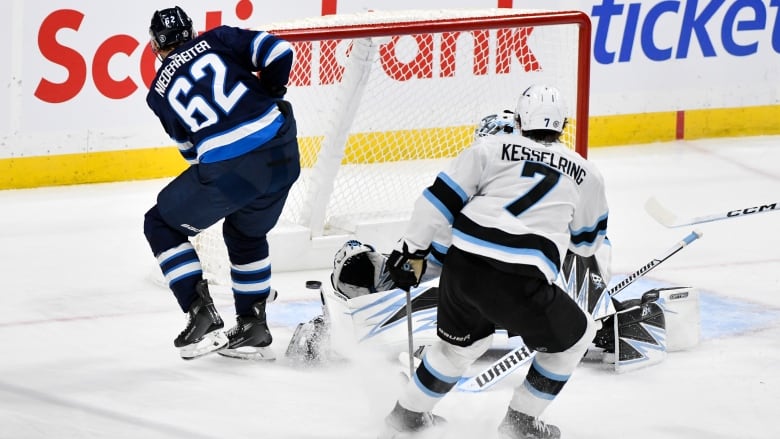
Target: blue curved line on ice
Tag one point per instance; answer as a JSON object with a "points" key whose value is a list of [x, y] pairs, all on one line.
{"points": [[720, 316]]}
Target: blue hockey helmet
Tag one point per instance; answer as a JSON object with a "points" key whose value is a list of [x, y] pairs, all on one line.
{"points": [[170, 27]]}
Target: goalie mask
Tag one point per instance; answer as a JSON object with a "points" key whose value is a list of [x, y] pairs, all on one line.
{"points": [[541, 107], [502, 123], [170, 27], [358, 269]]}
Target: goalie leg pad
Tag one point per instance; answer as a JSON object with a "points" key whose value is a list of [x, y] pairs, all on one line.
{"points": [[683, 317], [634, 337]]}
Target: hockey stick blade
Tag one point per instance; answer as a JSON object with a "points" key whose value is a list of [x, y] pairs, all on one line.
{"points": [[507, 364], [667, 218]]}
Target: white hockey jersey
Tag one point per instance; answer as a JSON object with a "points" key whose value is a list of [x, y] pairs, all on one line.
{"points": [[515, 201]]}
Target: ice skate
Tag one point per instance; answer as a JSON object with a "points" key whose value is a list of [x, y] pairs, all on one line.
{"points": [[203, 333], [250, 339], [403, 423], [518, 425]]}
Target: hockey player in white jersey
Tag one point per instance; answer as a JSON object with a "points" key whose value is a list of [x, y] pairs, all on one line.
{"points": [[502, 122], [516, 204]]}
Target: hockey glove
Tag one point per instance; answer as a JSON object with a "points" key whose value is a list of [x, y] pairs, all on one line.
{"points": [[406, 268], [275, 91]]}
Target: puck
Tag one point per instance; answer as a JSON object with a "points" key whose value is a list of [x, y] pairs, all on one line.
{"points": [[313, 284]]}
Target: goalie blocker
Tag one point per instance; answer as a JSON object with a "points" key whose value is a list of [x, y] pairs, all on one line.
{"points": [[362, 310]]}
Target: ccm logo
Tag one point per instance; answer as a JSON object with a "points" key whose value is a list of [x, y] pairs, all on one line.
{"points": [[750, 210]]}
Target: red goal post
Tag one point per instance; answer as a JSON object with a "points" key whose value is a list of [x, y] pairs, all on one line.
{"points": [[471, 21], [384, 99]]}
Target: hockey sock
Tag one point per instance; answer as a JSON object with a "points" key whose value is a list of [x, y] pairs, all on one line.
{"points": [[182, 270], [547, 375], [251, 284], [442, 366]]}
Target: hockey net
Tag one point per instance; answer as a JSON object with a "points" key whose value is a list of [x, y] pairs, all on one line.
{"points": [[384, 99]]}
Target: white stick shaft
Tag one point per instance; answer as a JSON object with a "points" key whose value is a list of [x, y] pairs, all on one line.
{"points": [[410, 335], [654, 263], [666, 217]]}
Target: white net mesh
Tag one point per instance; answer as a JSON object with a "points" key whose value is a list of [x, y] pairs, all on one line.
{"points": [[383, 100]]}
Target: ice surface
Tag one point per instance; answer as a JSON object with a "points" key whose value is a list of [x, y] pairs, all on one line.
{"points": [[87, 337]]}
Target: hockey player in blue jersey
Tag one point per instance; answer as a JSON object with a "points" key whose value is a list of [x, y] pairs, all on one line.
{"points": [[219, 96], [516, 203]]}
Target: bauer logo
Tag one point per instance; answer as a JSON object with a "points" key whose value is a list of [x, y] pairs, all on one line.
{"points": [[678, 296], [191, 228], [454, 338]]}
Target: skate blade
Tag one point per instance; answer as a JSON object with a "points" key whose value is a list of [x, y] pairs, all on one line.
{"points": [[250, 353], [211, 342]]}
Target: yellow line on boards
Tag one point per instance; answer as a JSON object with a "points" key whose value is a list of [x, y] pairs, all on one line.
{"points": [[149, 163]]}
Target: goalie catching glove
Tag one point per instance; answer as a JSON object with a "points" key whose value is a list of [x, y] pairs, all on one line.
{"points": [[405, 267]]}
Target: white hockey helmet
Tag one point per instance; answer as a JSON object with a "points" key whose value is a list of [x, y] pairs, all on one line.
{"points": [[501, 123], [358, 269], [541, 107]]}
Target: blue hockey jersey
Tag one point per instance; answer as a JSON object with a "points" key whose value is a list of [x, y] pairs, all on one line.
{"points": [[209, 98]]}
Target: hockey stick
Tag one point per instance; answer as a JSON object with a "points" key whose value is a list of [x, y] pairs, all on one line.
{"points": [[510, 362], [654, 263], [409, 331], [666, 217]]}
